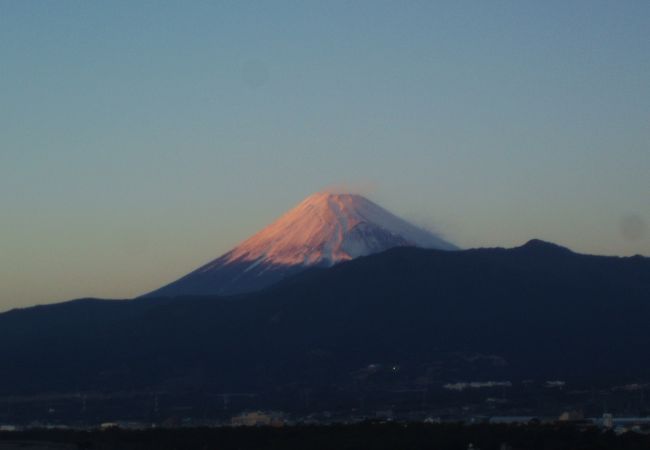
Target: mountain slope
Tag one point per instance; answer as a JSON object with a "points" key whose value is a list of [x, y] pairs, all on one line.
{"points": [[324, 229], [534, 312]]}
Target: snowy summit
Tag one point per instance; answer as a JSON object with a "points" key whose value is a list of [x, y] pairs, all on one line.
{"points": [[322, 230]]}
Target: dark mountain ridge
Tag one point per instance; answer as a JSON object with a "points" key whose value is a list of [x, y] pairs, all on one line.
{"points": [[537, 311]]}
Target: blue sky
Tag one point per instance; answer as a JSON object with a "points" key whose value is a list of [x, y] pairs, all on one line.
{"points": [[141, 139]]}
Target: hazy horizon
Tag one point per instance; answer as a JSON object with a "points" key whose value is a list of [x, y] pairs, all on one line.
{"points": [[141, 140]]}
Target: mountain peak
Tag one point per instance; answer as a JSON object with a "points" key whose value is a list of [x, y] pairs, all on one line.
{"points": [[324, 229], [327, 228], [539, 245], [324, 196]]}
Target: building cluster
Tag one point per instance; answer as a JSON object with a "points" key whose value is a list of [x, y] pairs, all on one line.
{"points": [[259, 418]]}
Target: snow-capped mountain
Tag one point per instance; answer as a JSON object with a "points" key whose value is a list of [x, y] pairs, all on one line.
{"points": [[322, 230]]}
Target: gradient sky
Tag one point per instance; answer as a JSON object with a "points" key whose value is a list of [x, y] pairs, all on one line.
{"points": [[140, 139]]}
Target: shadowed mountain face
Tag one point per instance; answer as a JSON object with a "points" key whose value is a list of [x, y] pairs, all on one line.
{"points": [[534, 312], [324, 229]]}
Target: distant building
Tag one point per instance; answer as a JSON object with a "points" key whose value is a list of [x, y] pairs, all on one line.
{"points": [[258, 419], [385, 414], [513, 419], [570, 416], [608, 420]]}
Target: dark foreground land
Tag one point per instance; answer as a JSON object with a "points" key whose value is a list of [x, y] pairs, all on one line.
{"points": [[361, 436]]}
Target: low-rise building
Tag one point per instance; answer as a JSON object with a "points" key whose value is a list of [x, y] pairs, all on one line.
{"points": [[258, 418]]}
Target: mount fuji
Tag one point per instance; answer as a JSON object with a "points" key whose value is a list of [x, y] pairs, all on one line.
{"points": [[322, 230]]}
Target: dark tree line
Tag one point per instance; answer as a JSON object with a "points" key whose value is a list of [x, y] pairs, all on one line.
{"points": [[365, 436]]}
